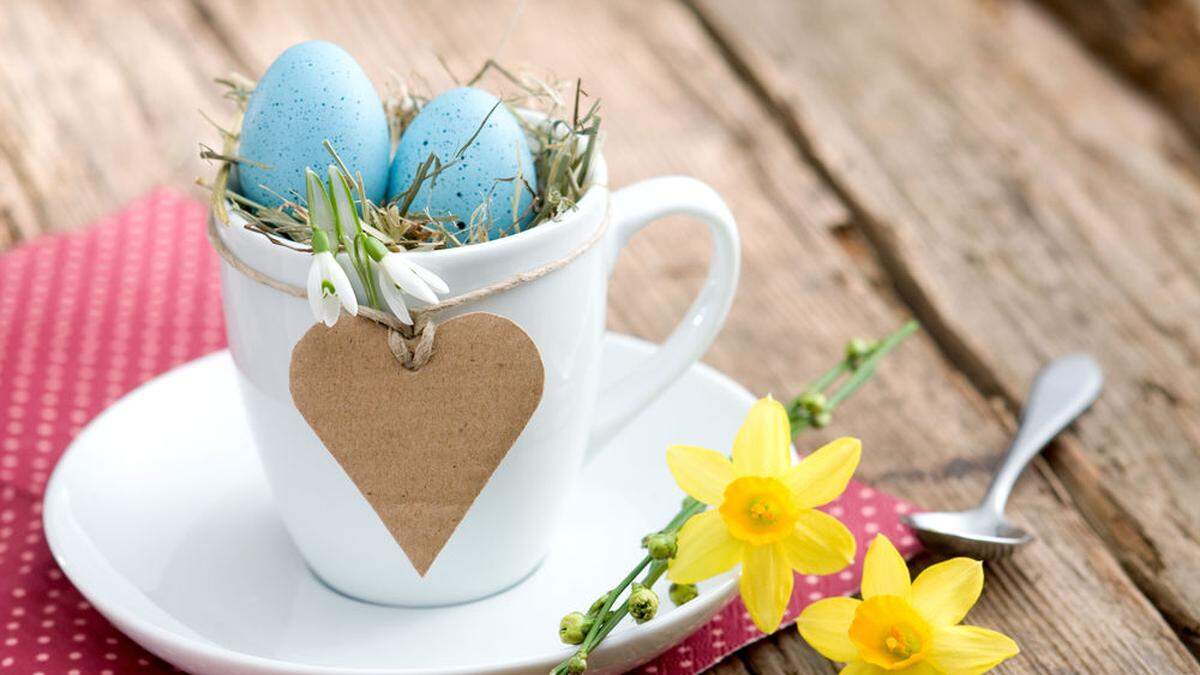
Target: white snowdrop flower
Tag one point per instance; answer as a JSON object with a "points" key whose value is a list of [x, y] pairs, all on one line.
{"points": [[329, 289], [398, 274]]}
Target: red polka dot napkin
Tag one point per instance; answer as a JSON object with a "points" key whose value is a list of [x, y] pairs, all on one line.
{"points": [[84, 318]]}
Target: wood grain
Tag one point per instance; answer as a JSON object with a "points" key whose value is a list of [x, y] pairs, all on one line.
{"points": [[96, 107], [672, 104], [1155, 44], [1023, 211]]}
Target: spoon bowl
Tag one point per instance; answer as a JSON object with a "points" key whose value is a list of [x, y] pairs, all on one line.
{"points": [[975, 533], [1060, 393]]}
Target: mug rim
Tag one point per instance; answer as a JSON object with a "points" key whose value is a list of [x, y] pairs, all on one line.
{"points": [[595, 199]]}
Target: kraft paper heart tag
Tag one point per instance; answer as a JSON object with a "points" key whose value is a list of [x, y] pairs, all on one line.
{"points": [[419, 444]]}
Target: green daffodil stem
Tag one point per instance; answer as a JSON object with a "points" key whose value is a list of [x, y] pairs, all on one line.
{"points": [[866, 368], [811, 408]]}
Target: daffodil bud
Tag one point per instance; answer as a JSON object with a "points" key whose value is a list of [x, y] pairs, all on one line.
{"points": [[574, 628], [683, 593], [857, 350], [660, 545], [577, 664], [597, 605], [822, 419], [813, 401], [643, 603]]}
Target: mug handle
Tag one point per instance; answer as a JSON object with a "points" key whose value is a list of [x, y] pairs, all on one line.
{"points": [[632, 208]]}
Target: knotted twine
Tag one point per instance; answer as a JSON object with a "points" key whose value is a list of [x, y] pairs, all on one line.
{"points": [[411, 345]]}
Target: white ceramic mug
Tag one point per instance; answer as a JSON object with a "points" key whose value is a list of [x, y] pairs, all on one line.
{"points": [[511, 523]]}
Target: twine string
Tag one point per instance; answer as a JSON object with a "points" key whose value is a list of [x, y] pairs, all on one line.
{"points": [[411, 345]]}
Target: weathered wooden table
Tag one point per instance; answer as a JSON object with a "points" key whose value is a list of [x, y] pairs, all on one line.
{"points": [[967, 162]]}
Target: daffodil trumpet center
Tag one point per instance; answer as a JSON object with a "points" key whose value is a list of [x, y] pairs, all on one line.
{"points": [[889, 633], [758, 510]]}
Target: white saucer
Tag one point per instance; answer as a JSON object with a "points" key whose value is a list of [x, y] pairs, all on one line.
{"points": [[161, 516]]}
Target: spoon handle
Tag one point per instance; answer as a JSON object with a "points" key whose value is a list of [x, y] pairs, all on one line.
{"points": [[1060, 393]]}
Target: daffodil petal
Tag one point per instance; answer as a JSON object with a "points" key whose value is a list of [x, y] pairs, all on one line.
{"points": [[884, 570], [700, 472], [762, 446], [945, 592], [862, 668], [820, 544], [821, 476], [968, 650], [766, 585], [825, 625], [705, 549]]}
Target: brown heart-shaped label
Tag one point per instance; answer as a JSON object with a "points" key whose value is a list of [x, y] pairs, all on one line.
{"points": [[419, 444]]}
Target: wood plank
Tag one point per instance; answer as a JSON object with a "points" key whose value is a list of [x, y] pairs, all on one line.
{"points": [[1154, 44], [672, 105], [1023, 211], [97, 106]]}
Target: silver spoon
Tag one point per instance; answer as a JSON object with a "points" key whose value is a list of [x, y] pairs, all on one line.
{"points": [[1060, 393]]}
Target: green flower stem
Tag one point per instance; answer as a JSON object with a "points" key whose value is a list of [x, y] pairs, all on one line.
{"points": [[866, 369], [602, 628], [860, 372]]}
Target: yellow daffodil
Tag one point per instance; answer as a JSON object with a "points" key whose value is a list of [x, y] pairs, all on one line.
{"points": [[766, 517], [903, 627]]}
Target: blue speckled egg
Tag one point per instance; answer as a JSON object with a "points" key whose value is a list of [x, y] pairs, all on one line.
{"points": [[314, 91], [500, 151]]}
